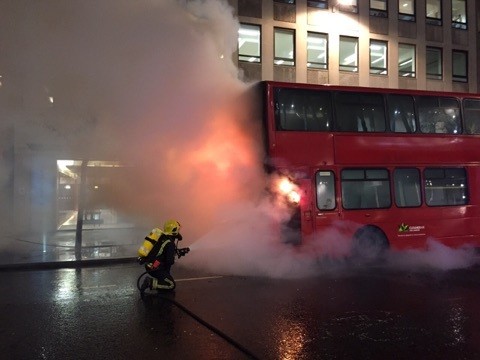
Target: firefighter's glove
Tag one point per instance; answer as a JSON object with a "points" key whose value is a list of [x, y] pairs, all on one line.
{"points": [[182, 252]]}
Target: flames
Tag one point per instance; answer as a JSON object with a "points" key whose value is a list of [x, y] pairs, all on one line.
{"points": [[286, 187]]}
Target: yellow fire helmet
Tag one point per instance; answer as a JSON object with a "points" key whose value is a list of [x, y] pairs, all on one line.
{"points": [[171, 227]]}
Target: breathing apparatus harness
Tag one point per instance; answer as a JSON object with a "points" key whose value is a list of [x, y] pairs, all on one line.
{"points": [[152, 244]]}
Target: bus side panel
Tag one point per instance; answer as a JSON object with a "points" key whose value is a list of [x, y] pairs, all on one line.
{"points": [[411, 228], [316, 149], [381, 149]]}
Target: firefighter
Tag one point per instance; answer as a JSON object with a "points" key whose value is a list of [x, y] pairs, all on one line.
{"points": [[161, 257]]}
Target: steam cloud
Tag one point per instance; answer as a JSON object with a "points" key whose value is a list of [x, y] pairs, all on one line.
{"points": [[152, 84]]}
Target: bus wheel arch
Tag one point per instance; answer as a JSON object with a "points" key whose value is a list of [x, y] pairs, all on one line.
{"points": [[370, 243]]}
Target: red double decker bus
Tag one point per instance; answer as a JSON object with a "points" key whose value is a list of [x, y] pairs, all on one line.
{"points": [[399, 166]]}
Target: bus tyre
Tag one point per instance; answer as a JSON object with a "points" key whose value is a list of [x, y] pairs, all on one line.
{"points": [[369, 243]]}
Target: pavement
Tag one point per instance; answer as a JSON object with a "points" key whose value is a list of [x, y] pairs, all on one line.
{"points": [[107, 237], [103, 242]]}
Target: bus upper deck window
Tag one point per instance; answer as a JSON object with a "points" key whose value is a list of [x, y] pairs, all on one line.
{"points": [[472, 116], [401, 112], [302, 110], [439, 115], [360, 112]]}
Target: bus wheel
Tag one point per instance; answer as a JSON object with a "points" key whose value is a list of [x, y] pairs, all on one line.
{"points": [[369, 243]]}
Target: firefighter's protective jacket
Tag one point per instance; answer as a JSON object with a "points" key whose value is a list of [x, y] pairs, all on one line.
{"points": [[164, 252]]}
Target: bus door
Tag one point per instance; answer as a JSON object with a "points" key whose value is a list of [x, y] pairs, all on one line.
{"points": [[325, 206], [305, 207]]}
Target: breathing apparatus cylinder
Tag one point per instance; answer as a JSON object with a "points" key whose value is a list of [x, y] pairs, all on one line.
{"points": [[150, 240]]}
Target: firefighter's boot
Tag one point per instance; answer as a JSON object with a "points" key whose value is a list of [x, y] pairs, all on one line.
{"points": [[147, 284]]}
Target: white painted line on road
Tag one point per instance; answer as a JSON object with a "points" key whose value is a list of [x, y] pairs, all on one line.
{"points": [[176, 280], [199, 278], [98, 286]]}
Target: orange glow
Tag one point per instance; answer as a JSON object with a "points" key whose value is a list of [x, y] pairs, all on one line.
{"points": [[292, 339], [224, 148]]}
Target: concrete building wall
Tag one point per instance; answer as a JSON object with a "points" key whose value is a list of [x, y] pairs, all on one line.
{"points": [[335, 22]]}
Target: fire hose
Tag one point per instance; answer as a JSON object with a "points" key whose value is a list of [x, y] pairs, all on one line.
{"points": [[202, 322]]}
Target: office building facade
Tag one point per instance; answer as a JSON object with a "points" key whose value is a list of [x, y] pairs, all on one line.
{"points": [[407, 44]]}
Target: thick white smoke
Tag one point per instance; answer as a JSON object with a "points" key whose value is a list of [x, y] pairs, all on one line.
{"points": [[435, 256], [152, 83], [149, 83]]}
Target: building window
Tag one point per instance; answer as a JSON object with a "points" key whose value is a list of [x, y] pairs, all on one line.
{"points": [[317, 50], [460, 66], [285, 1], [378, 8], [321, 4], [433, 12], [284, 47], [434, 63], [406, 60], [348, 6], [249, 43], [406, 10], [348, 53], [459, 14], [378, 57]]}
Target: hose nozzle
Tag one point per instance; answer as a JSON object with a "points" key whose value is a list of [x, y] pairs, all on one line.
{"points": [[182, 252]]}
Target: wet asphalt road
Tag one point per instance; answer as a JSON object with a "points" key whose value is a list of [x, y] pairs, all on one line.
{"points": [[362, 313]]}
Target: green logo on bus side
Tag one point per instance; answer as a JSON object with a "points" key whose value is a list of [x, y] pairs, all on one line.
{"points": [[403, 227]]}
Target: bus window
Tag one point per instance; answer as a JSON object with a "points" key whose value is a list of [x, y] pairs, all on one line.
{"points": [[438, 115], [407, 187], [401, 113], [325, 182], [302, 110], [365, 189], [472, 116], [359, 112], [445, 186]]}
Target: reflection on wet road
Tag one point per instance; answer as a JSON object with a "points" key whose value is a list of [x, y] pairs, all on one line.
{"points": [[369, 313]]}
